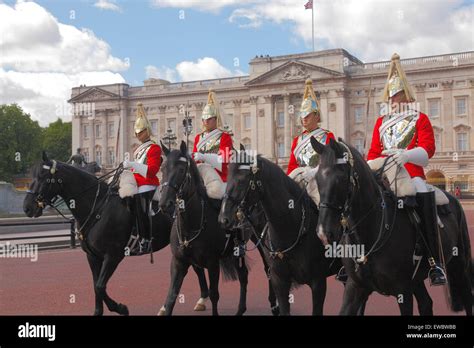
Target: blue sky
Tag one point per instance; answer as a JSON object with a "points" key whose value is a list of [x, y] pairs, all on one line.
{"points": [[158, 36], [45, 52]]}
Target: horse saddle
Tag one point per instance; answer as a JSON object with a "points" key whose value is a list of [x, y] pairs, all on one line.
{"points": [[311, 187], [215, 188], [401, 183], [128, 186]]}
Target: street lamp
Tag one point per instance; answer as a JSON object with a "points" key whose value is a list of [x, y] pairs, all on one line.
{"points": [[170, 137], [187, 127]]}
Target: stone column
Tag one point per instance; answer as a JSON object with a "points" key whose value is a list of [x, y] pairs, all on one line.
{"points": [[287, 132], [105, 151], [254, 123], [268, 142], [123, 133]]}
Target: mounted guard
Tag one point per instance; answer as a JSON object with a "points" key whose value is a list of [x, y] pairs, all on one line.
{"points": [[145, 169], [407, 135], [212, 149]]}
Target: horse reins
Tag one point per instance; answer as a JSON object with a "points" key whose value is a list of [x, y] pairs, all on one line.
{"points": [[179, 191]]}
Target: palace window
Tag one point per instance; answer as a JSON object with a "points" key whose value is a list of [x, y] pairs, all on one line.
{"points": [[85, 131], [461, 109], [98, 130], [280, 149], [110, 156], [247, 121], [359, 145], [110, 130], [358, 113], [433, 107], [281, 119], [462, 141], [98, 155]]}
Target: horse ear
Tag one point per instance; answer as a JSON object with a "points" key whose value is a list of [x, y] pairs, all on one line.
{"points": [[317, 146], [242, 147], [183, 148], [166, 151], [45, 157], [337, 149]]}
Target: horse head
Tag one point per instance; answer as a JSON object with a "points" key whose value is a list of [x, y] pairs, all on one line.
{"points": [[176, 170], [46, 185], [242, 189], [334, 183]]}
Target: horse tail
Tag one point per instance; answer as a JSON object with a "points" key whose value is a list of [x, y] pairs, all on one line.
{"points": [[228, 268], [460, 272]]}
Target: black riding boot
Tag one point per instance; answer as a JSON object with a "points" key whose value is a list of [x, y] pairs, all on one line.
{"points": [[143, 219], [428, 214]]}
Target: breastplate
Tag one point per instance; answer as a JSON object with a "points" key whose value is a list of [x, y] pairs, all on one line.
{"points": [[399, 134]]}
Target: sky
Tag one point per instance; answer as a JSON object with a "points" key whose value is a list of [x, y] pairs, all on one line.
{"points": [[47, 47]]}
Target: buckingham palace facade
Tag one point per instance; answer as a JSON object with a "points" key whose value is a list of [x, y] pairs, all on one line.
{"points": [[260, 109]]}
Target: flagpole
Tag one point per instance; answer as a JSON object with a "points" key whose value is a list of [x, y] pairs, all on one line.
{"points": [[312, 21]]}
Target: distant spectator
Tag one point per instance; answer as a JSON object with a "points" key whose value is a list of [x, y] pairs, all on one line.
{"points": [[457, 192]]}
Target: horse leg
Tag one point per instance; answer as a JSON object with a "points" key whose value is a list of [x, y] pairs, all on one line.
{"points": [[318, 292], [271, 294], [423, 298], [201, 303], [361, 310], [282, 291], [109, 265], [95, 265], [354, 298], [460, 287], [214, 271], [179, 269], [405, 302], [243, 273]]}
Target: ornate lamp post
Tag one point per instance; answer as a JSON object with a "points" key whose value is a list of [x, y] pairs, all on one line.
{"points": [[169, 137]]}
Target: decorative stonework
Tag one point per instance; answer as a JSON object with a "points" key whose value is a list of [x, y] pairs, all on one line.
{"points": [[295, 72]]}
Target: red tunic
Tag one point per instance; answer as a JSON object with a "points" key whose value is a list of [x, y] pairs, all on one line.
{"points": [[153, 161], [423, 137], [293, 164], [225, 148]]}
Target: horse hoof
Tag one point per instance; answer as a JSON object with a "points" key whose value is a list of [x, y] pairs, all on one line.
{"points": [[162, 311], [122, 309], [240, 312], [201, 304], [200, 307], [276, 311]]}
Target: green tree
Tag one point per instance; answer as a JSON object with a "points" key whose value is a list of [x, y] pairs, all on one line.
{"points": [[57, 140], [20, 142]]}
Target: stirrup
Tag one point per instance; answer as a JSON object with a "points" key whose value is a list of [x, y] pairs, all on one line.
{"points": [[437, 276], [342, 275]]}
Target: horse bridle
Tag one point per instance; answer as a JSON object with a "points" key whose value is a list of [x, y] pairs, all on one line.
{"points": [[179, 192], [39, 197], [345, 209], [254, 185]]}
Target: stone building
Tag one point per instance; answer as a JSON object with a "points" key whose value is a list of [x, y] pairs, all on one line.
{"points": [[260, 109]]}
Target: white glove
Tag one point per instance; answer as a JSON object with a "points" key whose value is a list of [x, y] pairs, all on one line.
{"points": [[417, 155], [138, 168], [310, 174], [198, 156], [210, 158]]}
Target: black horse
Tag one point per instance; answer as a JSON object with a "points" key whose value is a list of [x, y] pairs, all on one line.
{"points": [[105, 222], [354, 209], [196, 237], [294, 252], [91, 167]]}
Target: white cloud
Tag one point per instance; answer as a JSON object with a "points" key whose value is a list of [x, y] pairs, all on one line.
{"points": [[251, 19], [201, 5], [42, 59], [44, 95], [108, 5], [164, 73], [370, 29], [35, 41], [203, 69]]}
